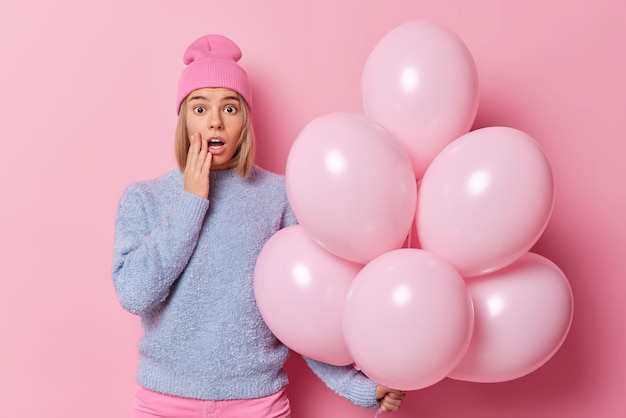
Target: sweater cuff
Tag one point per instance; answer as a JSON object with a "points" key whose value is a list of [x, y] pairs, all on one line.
{"points": [[346, 381], [364, 395], [191, 210]]}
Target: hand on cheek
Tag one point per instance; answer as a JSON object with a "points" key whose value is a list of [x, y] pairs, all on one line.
{"points": [[198, 167]]}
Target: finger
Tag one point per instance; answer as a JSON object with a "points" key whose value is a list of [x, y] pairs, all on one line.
{"points": [[386, 408], [193, 151], [389, 408], [198, 154], [195, 141], [206, 167], [202, 152], [390, 404], [396, 395]]}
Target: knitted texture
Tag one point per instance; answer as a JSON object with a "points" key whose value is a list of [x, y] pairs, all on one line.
{"points": [[186, 266], [211, 61]]}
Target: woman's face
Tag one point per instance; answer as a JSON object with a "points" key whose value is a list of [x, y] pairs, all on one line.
{"points": [[215, 114]]}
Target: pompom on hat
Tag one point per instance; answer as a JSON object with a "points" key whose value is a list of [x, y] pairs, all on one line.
{"points": [[212, 62]]}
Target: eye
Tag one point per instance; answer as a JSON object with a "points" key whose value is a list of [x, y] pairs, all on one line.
{"points": [[199, 110], [230, 109]]}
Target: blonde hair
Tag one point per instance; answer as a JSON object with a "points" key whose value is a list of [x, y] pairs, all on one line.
{"points": [[243, 157]]}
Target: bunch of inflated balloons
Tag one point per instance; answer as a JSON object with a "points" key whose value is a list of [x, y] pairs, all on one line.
{"points": [[462, 297]]}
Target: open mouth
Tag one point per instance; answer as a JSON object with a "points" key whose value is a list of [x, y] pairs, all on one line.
{"points": [[216, 143]]}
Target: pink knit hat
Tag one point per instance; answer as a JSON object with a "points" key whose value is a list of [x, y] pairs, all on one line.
{"points": [[212, 62]]}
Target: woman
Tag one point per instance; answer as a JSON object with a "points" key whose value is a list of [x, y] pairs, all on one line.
{"points": [[185, 248]]}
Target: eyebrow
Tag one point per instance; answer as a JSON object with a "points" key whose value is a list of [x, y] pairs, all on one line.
{"points": [[223, 99]]}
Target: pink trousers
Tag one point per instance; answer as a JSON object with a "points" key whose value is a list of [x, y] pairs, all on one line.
{"points": [[149, 404]]}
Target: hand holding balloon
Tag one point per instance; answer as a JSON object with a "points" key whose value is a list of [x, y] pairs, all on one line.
{"points": [[390, 399]]}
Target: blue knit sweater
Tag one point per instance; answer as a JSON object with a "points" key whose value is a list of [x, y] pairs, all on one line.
{"points": [[186, 266]]}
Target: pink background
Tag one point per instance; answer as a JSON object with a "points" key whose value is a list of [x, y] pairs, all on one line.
{"points": [[87, 102]]}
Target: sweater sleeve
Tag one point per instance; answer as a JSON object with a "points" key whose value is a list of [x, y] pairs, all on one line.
{"points": [[346, 381], [289, 218], [150, 254]]}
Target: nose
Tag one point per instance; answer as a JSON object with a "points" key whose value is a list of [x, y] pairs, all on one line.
{"points": [[215, 121]]}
